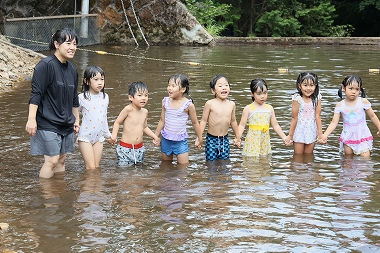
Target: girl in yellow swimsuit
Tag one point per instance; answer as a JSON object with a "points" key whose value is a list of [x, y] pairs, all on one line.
{"points": [[259, 116]]}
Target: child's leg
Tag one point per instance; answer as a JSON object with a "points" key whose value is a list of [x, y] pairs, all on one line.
{"points": [[349, 152], [98, 152], [309, 148], [88, 154], [299, 148], [167, 157], [183, 158], [302, 148], [366, 154]]}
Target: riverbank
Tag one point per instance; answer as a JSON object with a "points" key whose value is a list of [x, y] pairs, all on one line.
{"points": [[297, 40], [16, 64]]}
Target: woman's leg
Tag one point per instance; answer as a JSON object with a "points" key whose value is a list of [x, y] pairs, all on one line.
{"points": [[61, 164], [47, 169]]}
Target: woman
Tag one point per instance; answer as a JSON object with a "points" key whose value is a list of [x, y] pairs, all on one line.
{"points": [[53, 106]]}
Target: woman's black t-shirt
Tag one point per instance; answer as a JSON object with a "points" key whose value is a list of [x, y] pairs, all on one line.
{"points": [[55, 92]]}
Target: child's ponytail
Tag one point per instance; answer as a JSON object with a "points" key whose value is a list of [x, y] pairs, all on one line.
{"points": [[190, 97], [340, 91], [362, 92]]}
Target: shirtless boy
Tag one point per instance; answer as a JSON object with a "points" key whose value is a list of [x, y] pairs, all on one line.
{"points": [[133, 117], [219, 114]]}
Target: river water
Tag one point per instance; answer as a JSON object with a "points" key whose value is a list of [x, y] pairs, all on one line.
{"points": [[283, 203]]}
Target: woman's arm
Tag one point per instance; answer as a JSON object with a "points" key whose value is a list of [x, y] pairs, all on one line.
{"points": [[31, 124]]}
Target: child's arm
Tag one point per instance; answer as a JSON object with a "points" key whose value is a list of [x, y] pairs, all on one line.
{"points": [[205, 115], [318, 118], [204, 120], [194, 120], [277, 128], [243, 120], [293, 123], [147, 131], [106, 129], [161, 122], [235, 126], [116, 125], [375, 120], [331, 127]]}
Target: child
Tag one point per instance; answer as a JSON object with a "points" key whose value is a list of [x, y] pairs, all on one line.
{"points": [[306, 124], [356, 137], [93, 104], [219, 114], [134, 118], [259, 115], [176, 110]]}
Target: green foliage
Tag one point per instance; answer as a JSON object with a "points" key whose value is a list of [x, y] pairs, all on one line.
{"points": [[317, 20], [214, 16], [369, 3], [306, 18], [276, 24], [278, 18], [341, 30]]}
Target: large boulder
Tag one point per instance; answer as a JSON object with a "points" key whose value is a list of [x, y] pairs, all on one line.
{"points": [[160, 22]]}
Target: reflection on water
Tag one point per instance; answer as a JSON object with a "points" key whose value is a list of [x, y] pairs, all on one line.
{"points": [[281, 203]]}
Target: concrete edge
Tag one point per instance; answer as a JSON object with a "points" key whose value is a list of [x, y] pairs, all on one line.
{"points": [[296, 41]]}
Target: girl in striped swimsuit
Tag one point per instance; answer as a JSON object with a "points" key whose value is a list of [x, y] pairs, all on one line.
{"points": [[176, 110]]}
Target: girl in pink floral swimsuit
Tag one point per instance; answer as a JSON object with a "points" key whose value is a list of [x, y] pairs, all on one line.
{"points": [[356, 137]]}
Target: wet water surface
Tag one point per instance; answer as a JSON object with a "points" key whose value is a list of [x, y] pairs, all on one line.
{"points": [[283, 203]]}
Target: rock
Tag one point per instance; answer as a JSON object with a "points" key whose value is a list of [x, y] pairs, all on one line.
{"points": [[4, 226], [8, 251]]}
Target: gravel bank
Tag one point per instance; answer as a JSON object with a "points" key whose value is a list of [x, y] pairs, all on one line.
{"points": [[16, 64]]}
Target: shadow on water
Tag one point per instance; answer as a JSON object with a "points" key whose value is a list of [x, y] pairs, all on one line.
{"points": [[281, 203]]}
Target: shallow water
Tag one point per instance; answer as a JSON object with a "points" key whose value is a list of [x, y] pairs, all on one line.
{"points": [[283, 203]]}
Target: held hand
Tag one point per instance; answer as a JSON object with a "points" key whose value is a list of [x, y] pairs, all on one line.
{"points": [[198, 143], [157, 141], [114, 139], [378, 133], [237, 142], [31, 127], [76, 127], [288, 140], [110, 141], [322, 139]]}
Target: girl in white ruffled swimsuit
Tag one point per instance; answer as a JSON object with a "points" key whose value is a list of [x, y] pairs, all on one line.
{"points": [[306, 125]]}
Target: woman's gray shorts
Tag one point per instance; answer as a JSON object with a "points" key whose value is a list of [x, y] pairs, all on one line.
{"points": [[50, 143]]}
